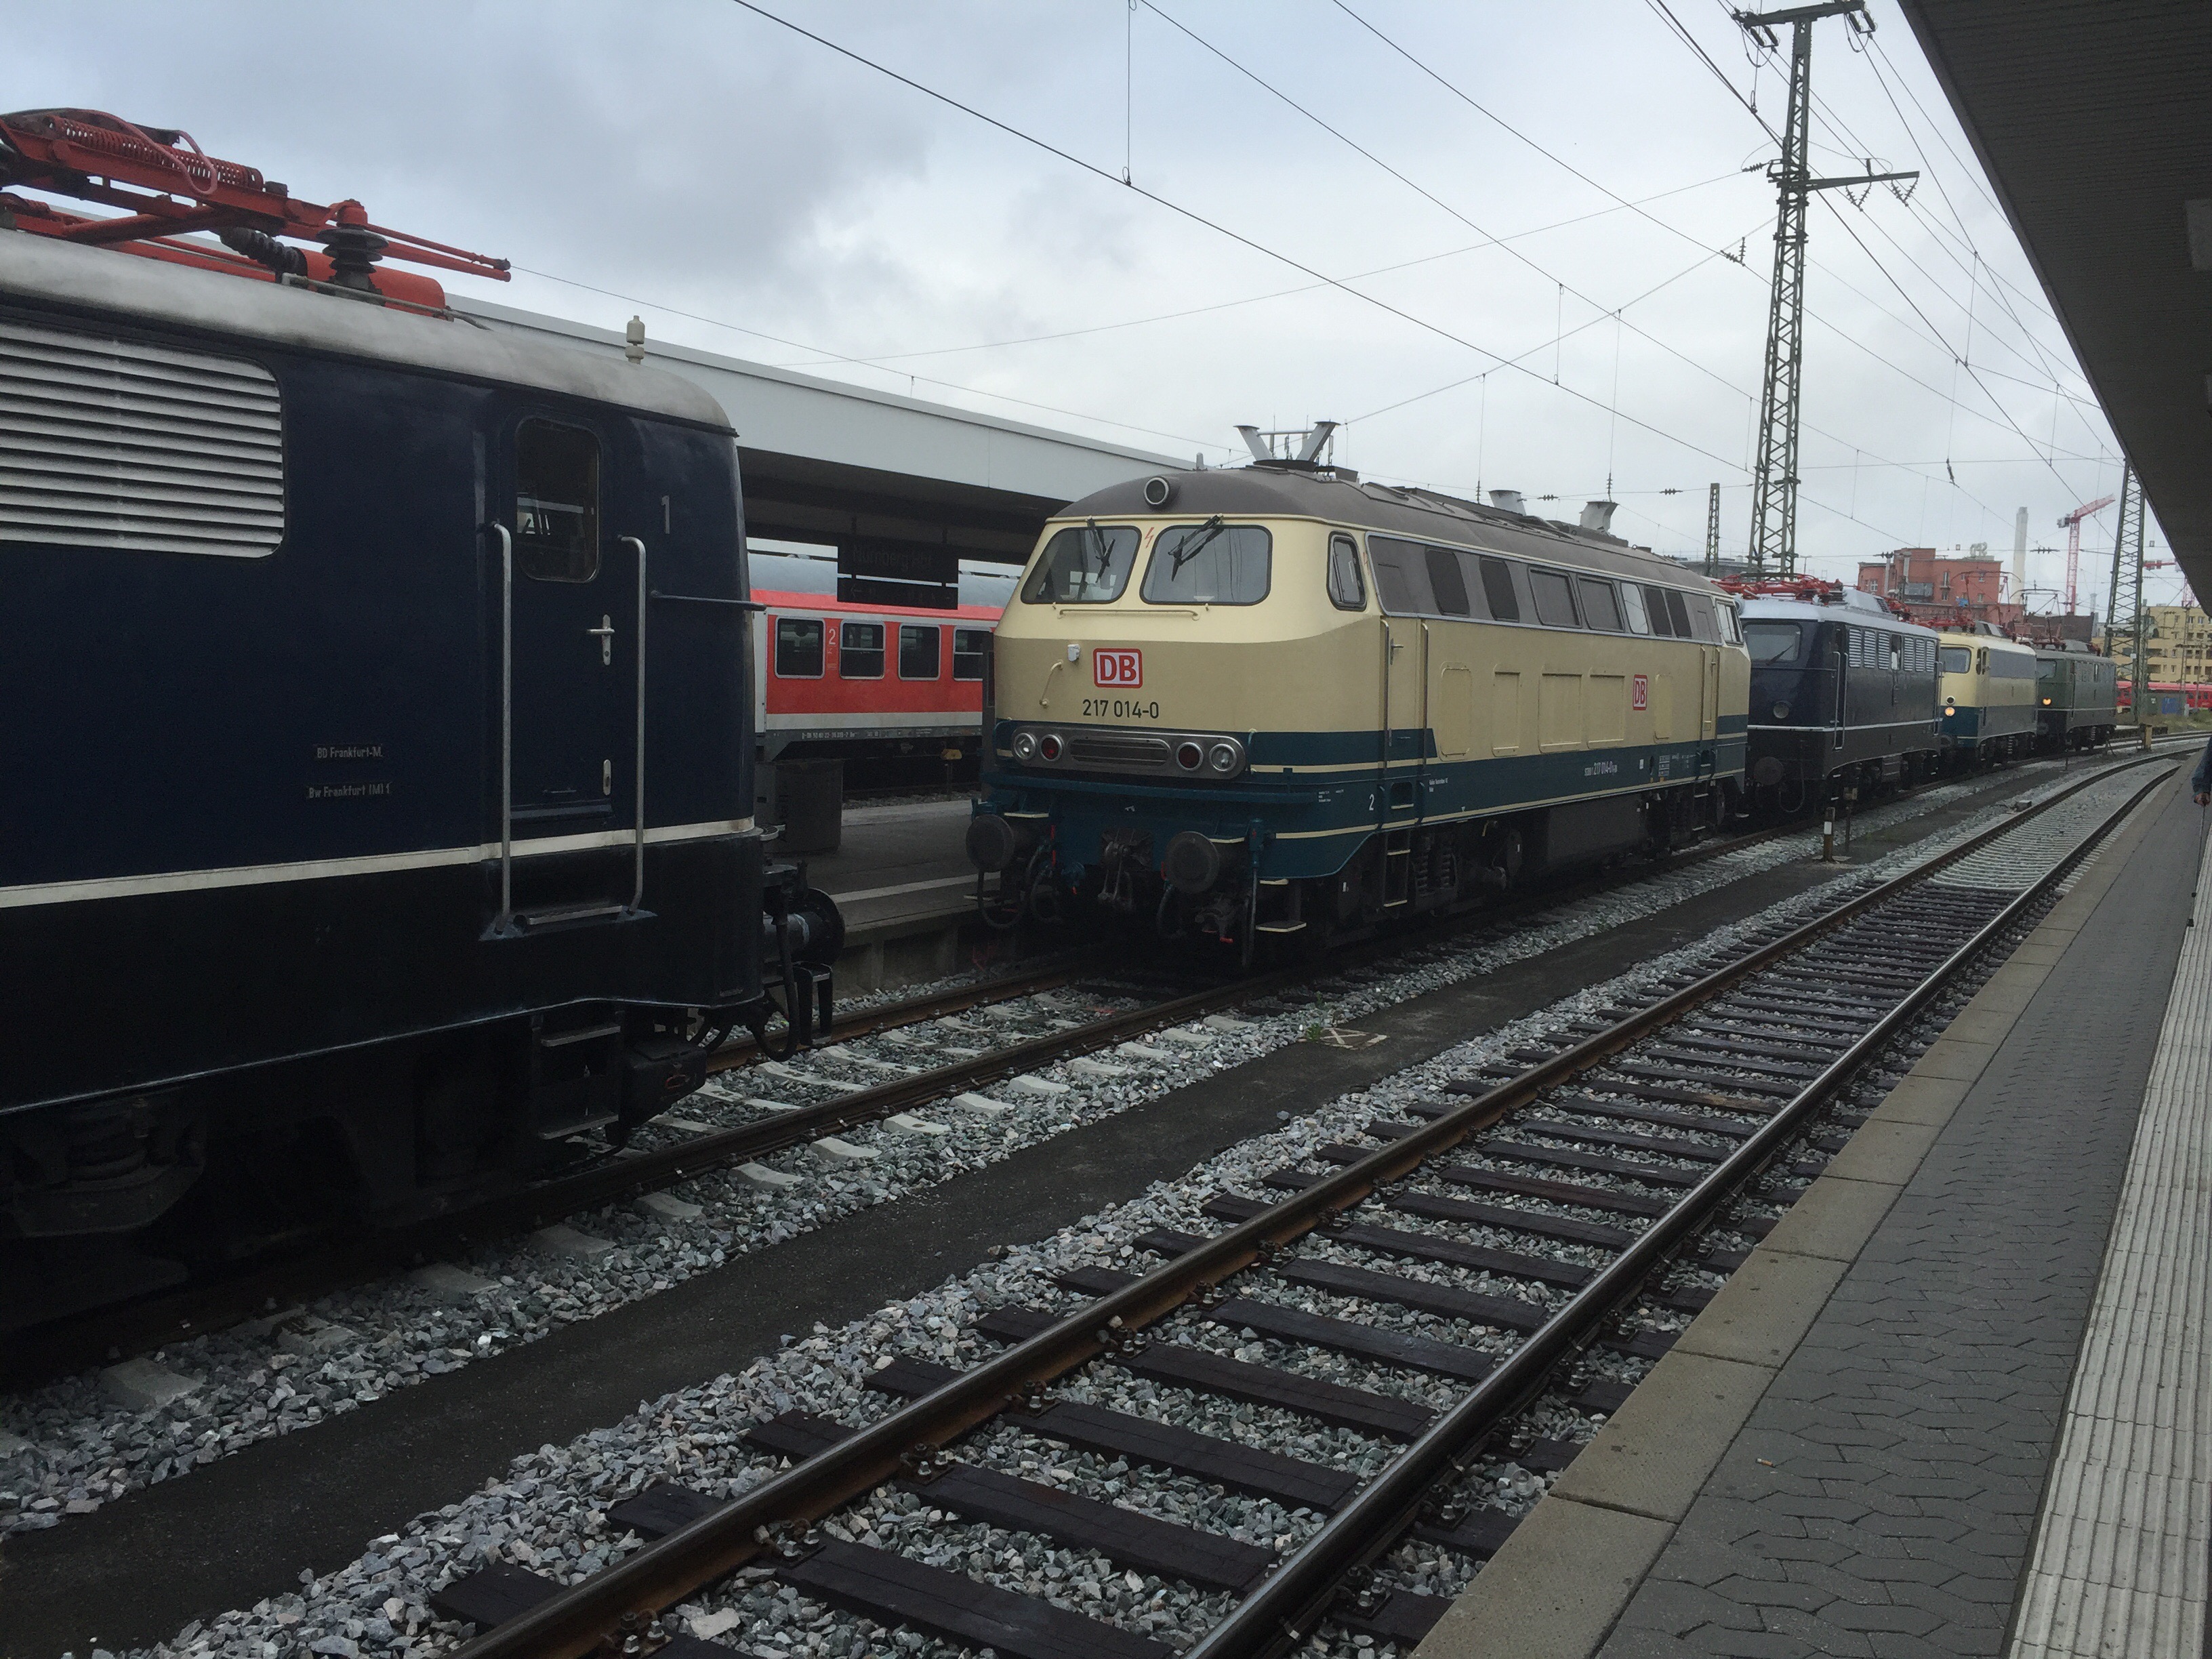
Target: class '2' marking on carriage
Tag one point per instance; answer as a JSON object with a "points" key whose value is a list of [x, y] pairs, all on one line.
{"points": [[1119, 670], [1640, 692]]}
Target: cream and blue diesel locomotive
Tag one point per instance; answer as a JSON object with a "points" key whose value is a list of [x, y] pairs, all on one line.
{"points": [[1276, 700]]}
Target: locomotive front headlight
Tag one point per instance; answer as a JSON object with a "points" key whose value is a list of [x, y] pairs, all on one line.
{"points": [[1224, 758], [1950, 710], [1049, 746], [1024, 746], [1782, 711], [1190, 756]]}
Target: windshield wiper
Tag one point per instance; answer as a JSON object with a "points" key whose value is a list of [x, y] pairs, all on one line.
{"points": [[1105, 554], [1194, 542]]}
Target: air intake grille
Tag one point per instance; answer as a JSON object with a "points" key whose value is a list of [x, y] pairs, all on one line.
{"points": [[112, 443]]}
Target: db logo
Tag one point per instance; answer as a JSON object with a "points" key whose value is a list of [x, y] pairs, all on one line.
{"points": [[1122, 669], [1640, 694]]}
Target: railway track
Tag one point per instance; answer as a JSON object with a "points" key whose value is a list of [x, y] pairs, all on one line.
{"points": [[1573, 1187], [835, 1088]]}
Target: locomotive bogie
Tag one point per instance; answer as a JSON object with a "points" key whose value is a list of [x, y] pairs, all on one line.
{"points": [[1300, 703]]}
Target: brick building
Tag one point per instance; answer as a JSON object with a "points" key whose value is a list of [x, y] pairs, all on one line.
{"points": [[1942, 591]]}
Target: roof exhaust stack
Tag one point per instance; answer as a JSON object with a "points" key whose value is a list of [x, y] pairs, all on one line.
{"points": [[1509, 500], [1598, 516]]}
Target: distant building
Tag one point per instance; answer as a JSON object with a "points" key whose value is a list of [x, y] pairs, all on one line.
{"points": [[2177, 646], [1942, 591]]}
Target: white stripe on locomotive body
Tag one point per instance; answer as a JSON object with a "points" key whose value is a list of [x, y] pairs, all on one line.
{"points": [[373, 864], [1304, 684]]}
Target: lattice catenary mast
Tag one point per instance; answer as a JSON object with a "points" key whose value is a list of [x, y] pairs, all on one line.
{"points": [[1774, 482]]}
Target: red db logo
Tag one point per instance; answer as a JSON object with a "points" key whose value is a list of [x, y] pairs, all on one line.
{"points": [[1123, 670], [1640, 695]]}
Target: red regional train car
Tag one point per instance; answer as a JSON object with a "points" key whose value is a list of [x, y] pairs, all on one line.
{"points": [[868, 682], [2171, 697]]}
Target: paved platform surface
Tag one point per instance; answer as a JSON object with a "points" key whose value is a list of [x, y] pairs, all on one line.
{"points": [[1848, 1453], [897, 861]]}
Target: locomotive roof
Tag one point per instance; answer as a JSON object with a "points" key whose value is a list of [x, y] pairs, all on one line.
{"points": [[1762, 608], [47, 273], [1282, 492]]}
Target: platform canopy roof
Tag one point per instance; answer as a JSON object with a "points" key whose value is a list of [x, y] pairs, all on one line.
{"points": [[2092, 120], [898, 484]]}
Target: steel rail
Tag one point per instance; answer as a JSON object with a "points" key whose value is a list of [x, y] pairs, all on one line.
{"points": [[1301, 1590], [574, 1622]]}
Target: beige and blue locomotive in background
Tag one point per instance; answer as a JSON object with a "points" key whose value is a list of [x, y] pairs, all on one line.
{"points": [[1277, 699], [1988, 685]]}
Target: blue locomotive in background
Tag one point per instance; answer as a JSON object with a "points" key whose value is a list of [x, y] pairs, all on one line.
{"points": [[376, 828]]}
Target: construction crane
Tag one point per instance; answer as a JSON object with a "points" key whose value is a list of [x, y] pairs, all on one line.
{"points": [[2071, 523]]}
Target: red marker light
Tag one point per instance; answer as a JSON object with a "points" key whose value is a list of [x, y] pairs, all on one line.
{"points": [[1190, 757], [1049, 746]]}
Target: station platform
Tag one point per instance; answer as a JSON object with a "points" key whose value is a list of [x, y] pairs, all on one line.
{"points": [[902, 881], [1959, 1400]]}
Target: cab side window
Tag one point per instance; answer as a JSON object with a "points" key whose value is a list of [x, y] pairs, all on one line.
{"points": [[557, 502], [1347, 589]]}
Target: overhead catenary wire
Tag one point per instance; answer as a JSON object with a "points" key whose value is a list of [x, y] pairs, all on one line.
{"points": [[1199, 219]]}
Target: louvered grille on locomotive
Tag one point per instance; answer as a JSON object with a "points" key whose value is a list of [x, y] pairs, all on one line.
{"points": [[107, 442]]}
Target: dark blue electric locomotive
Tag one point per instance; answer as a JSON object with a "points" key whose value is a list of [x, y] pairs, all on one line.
{"points": [[378, 828], [1843, 696]]}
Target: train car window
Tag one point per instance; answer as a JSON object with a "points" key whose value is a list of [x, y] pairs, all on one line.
{"points": [[1600, 608], [1677, 613], [1210, 563], [557, 502], [1731, 624], [1401, 576], [1896, 651], [1083, 564], [1347, 588], [1774, 643], [1957, 660], [798, 649], [1655, 600], [1699, 610], [1498, 591], [1445, 580], [1982, 660], [1631, 606], [969, 647], [861, 651], [920, 645], [1555, 598]]}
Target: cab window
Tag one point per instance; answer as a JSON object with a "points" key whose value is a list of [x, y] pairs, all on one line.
{"points": [[557, 502], [798, 648], [969, 647], [1957, 660], [1401, 575], [1662, 624], [1083, 564], [1773, 644], [1555, 598], [861, 651], [1210, 563], [1347, 589], [919, 645]]}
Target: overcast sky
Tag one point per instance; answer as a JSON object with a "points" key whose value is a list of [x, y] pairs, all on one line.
{"points": [[752, 192]]}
